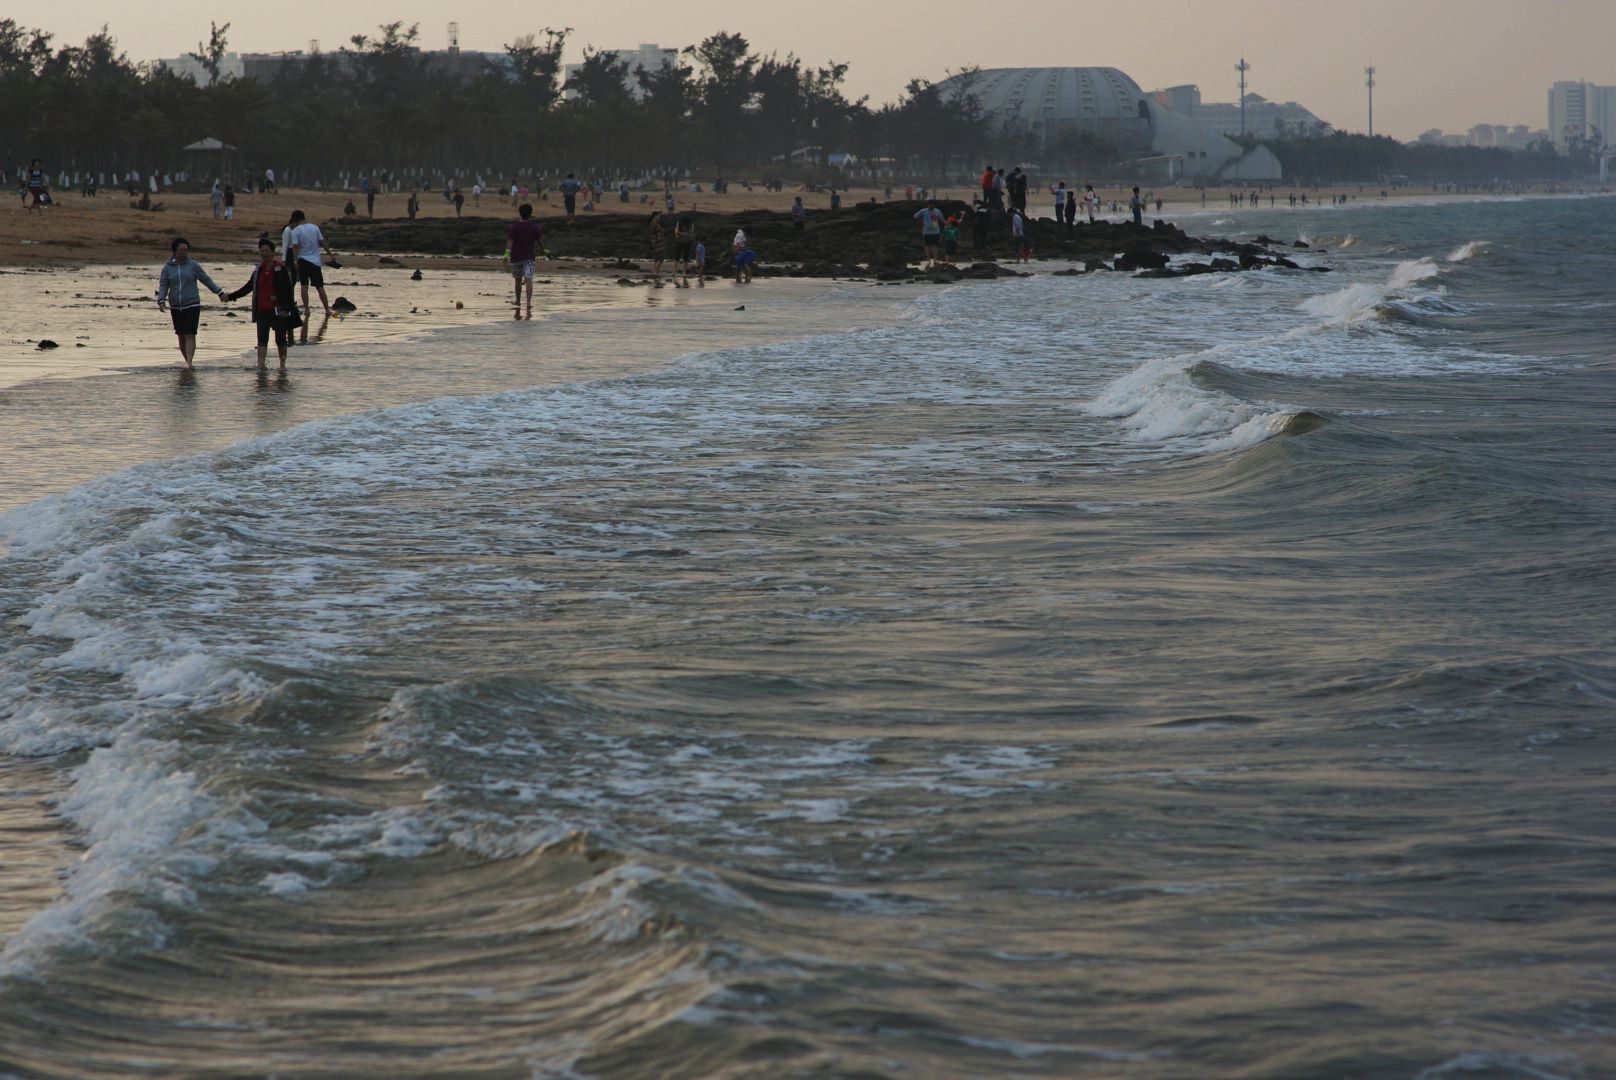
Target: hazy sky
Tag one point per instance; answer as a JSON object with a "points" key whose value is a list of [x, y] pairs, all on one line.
{"points": [[1440, 63]]}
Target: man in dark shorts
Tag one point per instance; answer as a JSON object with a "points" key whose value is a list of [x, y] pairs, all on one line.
{"points": [[569, 195], [304, 243], [523, 242], [684, 243], [657, 243]]}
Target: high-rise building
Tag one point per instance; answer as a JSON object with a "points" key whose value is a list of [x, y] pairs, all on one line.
{"points": [[1601, 113], [1581, 110], [1568, 112]]}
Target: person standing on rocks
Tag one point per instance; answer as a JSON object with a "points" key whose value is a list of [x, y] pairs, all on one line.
{"points": [[799, 215], [931, 230], [1137, 206], [305, 242], [1018, 237], [981, 213], [656, 239], [1092, 198], [951, 231], [524, 239], [684, 235], [1059, 191], [177, 292]]}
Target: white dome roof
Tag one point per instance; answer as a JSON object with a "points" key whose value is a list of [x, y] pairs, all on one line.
{"points": [[1048, 101]]}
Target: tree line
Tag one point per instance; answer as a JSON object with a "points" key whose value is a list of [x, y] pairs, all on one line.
{"points": [[381, 104]]}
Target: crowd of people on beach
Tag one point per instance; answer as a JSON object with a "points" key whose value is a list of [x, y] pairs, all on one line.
{"points": [[277, 314], [275, 279], [1004, 197]]}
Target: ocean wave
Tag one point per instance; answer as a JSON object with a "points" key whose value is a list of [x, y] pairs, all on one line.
{"points": [[1162, 401], [1362, 302]]}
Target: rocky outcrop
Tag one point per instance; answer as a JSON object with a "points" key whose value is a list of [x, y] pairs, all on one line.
{"points": [[879, 241]]}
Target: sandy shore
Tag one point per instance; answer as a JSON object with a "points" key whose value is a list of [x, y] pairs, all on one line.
{"points": [[105, 230], [79, 412]]}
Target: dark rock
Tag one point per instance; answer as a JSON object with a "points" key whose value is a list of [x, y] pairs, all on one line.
{"points": [[1091, 265], [1225, 264], [1280, 260], [342, 303], [877, 241], [740, 307], [47, 343], [1139, 257], [388, 260], [1301, 245], [416, 276]]}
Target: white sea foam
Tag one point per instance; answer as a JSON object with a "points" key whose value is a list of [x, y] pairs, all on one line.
{"points": [[1360, 302], [1161, 401], [131, 807]]}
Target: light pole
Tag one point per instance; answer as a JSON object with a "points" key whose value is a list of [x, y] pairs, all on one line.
{"points": [[1242, 67], [1369, 80]]}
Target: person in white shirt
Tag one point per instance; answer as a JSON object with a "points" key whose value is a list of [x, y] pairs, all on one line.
{"points": [[304, 242], [286, 240]]}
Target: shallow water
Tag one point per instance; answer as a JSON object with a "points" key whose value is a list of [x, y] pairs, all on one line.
{"points": [[1089, 676]]}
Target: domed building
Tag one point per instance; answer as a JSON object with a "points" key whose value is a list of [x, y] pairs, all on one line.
{"points": [[1047, 102]]}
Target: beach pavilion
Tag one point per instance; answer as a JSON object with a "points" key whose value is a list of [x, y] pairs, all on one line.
{"points": [[209, 158]]}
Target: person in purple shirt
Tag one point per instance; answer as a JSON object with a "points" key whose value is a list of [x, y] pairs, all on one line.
{"points": [[523, 242]]}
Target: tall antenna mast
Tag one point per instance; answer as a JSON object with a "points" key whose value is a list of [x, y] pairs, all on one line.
{"points": [[1369, 80], [1242, 67]]}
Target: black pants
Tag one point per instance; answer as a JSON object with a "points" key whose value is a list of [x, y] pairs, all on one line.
{"points": [[283, 332]]}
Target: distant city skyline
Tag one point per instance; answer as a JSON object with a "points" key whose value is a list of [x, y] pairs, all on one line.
{"points": [[1440, 64]]}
